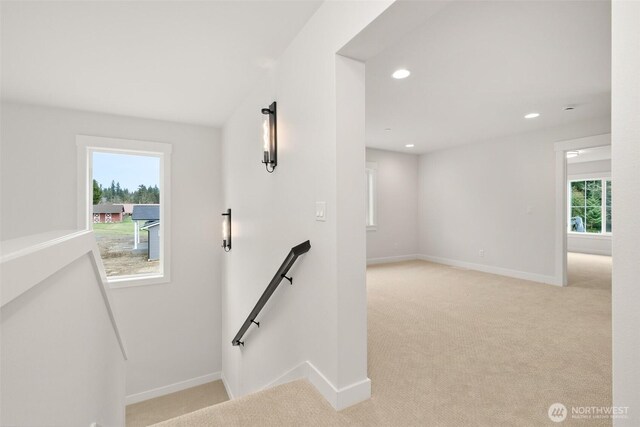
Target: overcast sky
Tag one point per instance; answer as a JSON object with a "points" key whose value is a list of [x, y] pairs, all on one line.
{"points": [[130, 171]]}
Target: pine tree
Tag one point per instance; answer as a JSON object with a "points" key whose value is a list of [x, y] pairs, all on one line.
{"points": [[97, 192], [118, 197]]}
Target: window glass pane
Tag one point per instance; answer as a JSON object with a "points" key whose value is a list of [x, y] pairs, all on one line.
{"points": [[370, 197], [578, 212], [126, 212], [593, 223], [368, 207], [608, 204], [371, 216], [578, 203], [578, 193], [594, 193], [577, 219]]}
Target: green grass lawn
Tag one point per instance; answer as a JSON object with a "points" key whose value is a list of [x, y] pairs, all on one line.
{"points": [[125, 227]]}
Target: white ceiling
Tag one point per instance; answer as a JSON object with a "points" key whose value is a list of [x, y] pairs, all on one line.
{"points": [[182, 61], [478, 67]]}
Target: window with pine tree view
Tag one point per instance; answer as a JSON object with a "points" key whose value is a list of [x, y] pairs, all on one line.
{"points": [[590, 206], [126, 212]]}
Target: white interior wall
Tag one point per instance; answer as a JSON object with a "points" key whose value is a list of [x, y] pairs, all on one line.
{"points": [[61, 363], [598, 168], [625, 137], [309, 321], [626, 99], [172, 330], [395, 237], [586, 243], [498, 197], [596, 245]]}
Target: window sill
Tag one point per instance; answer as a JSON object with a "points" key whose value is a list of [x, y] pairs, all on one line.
{"points": [[141, 280], [597, 236]]}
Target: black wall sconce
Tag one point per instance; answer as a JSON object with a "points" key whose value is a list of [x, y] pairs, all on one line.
{"points": [[270, 138], [226, 230]]}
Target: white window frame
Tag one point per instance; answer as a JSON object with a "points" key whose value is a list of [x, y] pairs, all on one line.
{"points": [[371, 215], [604, 177], [86, 146]]}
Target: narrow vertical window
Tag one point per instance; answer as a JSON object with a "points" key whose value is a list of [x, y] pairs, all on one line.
{"points": [[371, 176], [608, 206]]}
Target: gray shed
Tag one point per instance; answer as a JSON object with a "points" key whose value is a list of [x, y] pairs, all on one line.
{"points": [[145, 213], [140, 213], [153, 230]]}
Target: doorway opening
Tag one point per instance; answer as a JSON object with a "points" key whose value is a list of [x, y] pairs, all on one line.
{"points": [[584, 220], [589, 217]]}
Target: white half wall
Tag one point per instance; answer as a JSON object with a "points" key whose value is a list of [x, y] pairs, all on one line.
{"points": [[172, 330], [321, 318], [61, 362], [497, 197], [395, 237], [625, 137]]}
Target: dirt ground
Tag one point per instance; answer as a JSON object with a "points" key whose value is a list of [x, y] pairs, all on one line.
{"points": [[120, 260]]}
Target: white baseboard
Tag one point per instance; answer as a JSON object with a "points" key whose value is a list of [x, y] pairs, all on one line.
{"points": [[550, 280], [344, 397], [227, 387], [299, 372], [385, 260], [338, 398], [172, 388], [591, 251], [354, 393]]}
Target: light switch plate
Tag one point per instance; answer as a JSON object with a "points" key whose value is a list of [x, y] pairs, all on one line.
{"points": [[321, 211]]}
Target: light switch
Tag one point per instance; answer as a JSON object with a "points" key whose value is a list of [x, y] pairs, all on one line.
{"points": [[321, 211]]}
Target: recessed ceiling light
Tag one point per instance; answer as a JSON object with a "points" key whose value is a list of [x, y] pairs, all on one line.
{"points": [[532, 115], [387, 129], [409, 145], [568, 107], [572, 154], [401, 74]]}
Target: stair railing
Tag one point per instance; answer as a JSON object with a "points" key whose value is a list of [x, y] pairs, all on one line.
{"points": [[288, 262]]}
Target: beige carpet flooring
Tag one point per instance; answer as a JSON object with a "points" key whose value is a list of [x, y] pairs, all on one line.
{"points": [[175, 404], [589, 271], [454, 347]]}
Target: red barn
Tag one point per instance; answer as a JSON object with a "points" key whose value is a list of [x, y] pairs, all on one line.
{"points": [[107, 212]]}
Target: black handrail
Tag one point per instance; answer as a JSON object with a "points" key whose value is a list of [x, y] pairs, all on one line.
{"points": [[288, 262]]}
